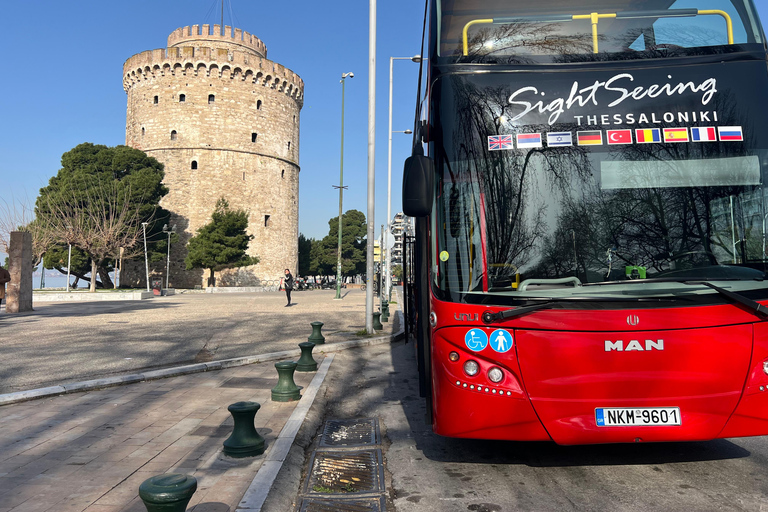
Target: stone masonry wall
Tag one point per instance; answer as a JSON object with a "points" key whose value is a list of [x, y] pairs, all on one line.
{"points": [[225, 122]]}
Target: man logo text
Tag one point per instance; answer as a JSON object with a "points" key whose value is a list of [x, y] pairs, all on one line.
{"points": [[633, 345]]}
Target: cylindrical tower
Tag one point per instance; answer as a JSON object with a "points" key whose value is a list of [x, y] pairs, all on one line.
{"points": [[225, 122]]}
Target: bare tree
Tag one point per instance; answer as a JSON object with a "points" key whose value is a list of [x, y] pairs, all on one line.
{"points": [[99, 220], [19, 215]]}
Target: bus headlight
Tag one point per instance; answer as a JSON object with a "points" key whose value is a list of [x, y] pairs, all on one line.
{"points": [[471, 368], [765, 367], [495, 375], [453, 356]]}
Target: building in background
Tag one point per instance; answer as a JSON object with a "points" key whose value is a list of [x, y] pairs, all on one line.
{"points": [[225, 122], [401, 227]]}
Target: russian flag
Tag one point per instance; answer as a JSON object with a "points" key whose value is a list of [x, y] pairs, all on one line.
{"points": [[707, 134], [529, 140], [648, 135], [730, 133]]}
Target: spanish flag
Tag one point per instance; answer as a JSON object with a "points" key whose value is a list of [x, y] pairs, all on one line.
{"points": [[648, 135], [676, 135]]}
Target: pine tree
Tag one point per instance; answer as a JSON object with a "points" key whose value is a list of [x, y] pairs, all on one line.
{"points": [[221, 243]]}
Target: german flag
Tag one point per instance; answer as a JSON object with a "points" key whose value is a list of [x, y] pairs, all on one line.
{"points": [[592, 138], [676, 135]]}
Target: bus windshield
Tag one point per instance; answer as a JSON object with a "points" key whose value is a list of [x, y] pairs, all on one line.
{"points": [[504, 31], [602, 182]]}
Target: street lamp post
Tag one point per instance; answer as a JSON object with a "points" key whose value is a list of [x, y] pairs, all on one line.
{"points": [[146, 258], [341, 187], [415, 58], [168, 260], [69, 255]]}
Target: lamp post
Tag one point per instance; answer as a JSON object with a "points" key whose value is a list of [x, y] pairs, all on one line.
{"points": [[168, 260], [417, 59], [146, 258], [341, 187], [69, 254]]}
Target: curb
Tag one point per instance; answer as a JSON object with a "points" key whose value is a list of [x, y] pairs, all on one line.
{"points": [[90, 385], [257, 492]]}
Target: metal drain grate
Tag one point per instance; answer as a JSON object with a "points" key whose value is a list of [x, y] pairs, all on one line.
{"points": [[339, 473], [342, 505], [248, 383], [350, 433]]}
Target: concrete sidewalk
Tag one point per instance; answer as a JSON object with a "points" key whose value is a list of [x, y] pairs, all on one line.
{"points": [[91, 451]]}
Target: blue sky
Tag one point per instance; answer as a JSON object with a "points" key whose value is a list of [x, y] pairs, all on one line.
{"points": [[62, 85], [62, 73]]}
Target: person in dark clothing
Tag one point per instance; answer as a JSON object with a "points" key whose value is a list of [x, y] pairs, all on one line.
{"points": [[288, 285]]}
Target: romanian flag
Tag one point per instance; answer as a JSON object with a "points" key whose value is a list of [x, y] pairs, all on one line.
{"points": [[731, 133], [707, 134], [676, 135], [592, 138], [648, 135]]}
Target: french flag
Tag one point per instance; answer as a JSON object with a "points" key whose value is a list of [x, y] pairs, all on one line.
{"points": [[707, 134], [730, 133]]}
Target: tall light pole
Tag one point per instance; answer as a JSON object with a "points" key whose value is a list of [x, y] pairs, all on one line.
{"points": [[344, 77], [415, 58], [146, 258], [69, 254], [168, 260], [370, 234]]}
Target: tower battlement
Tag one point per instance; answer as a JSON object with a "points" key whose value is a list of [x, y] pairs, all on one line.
{"points": [[212, 62], [197, 35]]}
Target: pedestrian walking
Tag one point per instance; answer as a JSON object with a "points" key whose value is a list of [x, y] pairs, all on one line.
{"points": [[5, 277], [288, 285]]}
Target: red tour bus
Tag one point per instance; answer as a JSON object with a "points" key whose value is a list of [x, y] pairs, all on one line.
{"points": [[589, 191]]}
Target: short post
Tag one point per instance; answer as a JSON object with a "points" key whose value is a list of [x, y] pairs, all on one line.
{"points": [[167, 493], [317, 337], [306, 362], [384, 311], [286, 389], [377, 326], [244, 441]]}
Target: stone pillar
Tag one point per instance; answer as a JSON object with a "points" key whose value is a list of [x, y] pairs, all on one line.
{"points": [[19, 296]]}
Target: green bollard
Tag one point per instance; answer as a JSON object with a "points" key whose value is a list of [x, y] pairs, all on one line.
{"points": [[316, 337], [306, 362], [167, 493], [377, 322], [244, 441], [384, 311], [286, 390]]}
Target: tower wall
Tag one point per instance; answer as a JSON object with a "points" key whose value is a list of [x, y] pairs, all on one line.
{"points": [[222, 107]]}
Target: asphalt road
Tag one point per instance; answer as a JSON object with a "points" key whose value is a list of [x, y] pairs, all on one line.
{"points": [[428, 473], [67, 342]]}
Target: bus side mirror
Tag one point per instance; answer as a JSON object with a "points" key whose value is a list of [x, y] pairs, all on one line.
{"points": [[418, 186]]}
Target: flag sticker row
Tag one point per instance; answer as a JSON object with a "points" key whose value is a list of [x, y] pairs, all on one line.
{"points": [[617, 137]]}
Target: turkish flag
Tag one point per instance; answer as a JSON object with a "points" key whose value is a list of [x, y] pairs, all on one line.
{"points": [[619, 136]]}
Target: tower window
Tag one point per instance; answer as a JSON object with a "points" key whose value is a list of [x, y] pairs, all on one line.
{"points": [[157, 100], [182, 98], [258, 105], [289, 146], [282, 174], [266, 221], [253, 137], [211, 98], [173, 134], [142, 131], [194, 164]]}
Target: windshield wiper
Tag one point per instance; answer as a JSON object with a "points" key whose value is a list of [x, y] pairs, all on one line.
{"points": [[490, 318], [757, 308]]}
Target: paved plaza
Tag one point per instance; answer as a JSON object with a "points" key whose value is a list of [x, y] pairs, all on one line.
{"points": [[66, 342]]}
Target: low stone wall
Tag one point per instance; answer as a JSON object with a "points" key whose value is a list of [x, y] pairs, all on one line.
{"points": [[90, 297]]}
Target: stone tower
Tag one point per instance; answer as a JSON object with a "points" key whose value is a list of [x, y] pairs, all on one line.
{"points": [[225, 122]]}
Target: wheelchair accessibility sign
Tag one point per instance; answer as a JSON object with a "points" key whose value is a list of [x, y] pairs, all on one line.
{"points": [[501, 340], [476, 340]]}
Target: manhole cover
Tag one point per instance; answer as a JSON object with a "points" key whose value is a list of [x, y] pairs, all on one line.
{"points": [[249, 382], [347, 433], [345, 472], [342, 505]]}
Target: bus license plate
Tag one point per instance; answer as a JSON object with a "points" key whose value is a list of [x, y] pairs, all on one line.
{"points": [[637, 417]]}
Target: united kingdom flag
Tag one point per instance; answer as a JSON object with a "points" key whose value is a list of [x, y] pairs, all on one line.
{"points": [[500, 142]]}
